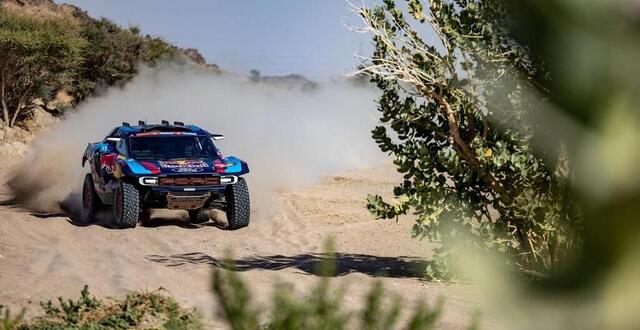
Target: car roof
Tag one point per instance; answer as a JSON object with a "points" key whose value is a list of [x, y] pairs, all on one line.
{"points": [[127, 130]]}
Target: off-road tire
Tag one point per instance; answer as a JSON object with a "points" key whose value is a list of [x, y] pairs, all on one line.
{"points": [[90, 201], [238, 206], [126, 205], [198, 216]]}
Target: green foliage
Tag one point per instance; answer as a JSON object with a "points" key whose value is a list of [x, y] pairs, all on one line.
{"points": [[8, 321], [70, 310], [235, 298], [138, 309], [42, 55], [459, 118], [322, 308], [595, 88], [37, 56], [112, 55]]}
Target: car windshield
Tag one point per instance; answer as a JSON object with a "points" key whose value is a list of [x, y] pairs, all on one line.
{"points": [[172, 147]]}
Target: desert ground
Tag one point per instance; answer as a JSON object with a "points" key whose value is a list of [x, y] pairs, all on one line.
{"points": [[43, 256]]}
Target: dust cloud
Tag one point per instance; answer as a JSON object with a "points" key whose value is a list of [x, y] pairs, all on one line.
{"points": [[289, 138]]}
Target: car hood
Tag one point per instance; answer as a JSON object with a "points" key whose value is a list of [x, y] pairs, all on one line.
{"points": [[227, 165]]}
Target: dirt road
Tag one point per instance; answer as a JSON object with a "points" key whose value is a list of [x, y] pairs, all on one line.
{"points": [[43, 256]]}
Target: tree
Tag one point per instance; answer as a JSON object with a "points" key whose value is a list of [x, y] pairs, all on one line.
{"points": [[460, 113], [255, 75], [112, 55], [37, 57]]}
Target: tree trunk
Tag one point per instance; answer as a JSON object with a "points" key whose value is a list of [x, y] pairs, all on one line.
{"points": [[554, 250], [21, 104], [460, 144], [466, 153], [3, 99], [15, 114]]}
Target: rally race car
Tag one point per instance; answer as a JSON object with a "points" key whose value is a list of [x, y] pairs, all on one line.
{"points": [[137, 168]]}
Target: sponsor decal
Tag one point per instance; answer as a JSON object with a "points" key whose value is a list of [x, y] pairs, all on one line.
{"points": [[183, 164], [107, 162], [186, 170]]}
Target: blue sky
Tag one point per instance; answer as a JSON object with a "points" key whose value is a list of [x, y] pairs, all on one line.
{"points": [[274, 36]]}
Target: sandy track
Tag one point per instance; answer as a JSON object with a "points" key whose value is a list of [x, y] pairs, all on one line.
{"points": [[43, 256]]}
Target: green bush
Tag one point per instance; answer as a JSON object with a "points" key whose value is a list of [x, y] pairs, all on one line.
{"points": [[8, 321], [37, 57], [322, 308], [595, 94], [41, 55], [457, 114], [150, 310], [112, 55]]}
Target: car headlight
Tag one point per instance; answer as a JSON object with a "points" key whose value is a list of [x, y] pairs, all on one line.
{"points": [[148, 181], [228, 179]]}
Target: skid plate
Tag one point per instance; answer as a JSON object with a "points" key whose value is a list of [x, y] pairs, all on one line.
{"points": [[186, 202]]}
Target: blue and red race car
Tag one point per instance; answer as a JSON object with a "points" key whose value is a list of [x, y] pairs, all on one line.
{"points": [[137, 168]]}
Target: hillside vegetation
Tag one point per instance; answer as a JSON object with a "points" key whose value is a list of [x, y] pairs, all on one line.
{"points": [[49, 51]]}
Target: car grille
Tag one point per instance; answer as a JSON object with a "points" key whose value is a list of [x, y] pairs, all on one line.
{"points": [[190, 181], [186, 193]]}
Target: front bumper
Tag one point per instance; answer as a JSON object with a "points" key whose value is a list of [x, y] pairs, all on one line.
{"points": [[185, 192], [187, 180], [184, 198]]}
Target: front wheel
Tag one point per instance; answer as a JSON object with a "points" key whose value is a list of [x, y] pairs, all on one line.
{"points": [[127, 205], [238, 206]]}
